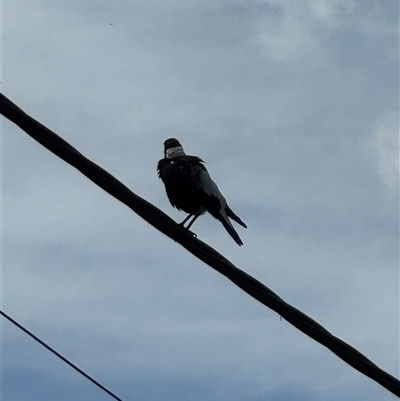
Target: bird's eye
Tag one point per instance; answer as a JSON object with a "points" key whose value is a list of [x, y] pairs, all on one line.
{"points": [[172, 162]]}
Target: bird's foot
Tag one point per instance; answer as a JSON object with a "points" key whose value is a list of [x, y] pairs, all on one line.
{"points": [[187, 230], [192, 233]]}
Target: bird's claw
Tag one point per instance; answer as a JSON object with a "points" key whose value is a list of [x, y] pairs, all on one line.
{"points": [[192, 233], [187, 230]]}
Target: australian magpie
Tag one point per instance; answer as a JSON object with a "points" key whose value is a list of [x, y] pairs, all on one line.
{"points": [[190, 188]]}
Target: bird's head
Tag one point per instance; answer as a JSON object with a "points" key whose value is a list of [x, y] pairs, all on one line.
{"points": [[172, 148]]}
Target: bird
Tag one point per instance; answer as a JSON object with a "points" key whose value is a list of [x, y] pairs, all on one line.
{"points": [[190, 188]]}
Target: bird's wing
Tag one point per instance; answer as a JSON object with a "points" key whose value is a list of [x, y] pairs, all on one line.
{"points": [[210, 189]]}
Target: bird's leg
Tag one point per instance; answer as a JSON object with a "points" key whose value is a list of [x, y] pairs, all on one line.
{"points": [[193, 220], [186, 219], [195, 216], [187, 228]]}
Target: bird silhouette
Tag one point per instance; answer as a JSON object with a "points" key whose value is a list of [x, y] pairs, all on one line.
{"points": [[190, 188]]}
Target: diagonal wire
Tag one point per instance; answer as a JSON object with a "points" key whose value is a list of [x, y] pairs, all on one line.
{"points": [[208, 255], [59, 355]]}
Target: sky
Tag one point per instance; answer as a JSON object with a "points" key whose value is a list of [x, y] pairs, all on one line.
{"points": [[294, 108]]}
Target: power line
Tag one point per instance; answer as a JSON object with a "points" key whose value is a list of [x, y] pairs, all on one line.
{"points": [[208, 255], [59, 355]]}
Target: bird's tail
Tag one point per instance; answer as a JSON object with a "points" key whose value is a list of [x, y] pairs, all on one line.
{"points": [[228, 227], [234, 217]]}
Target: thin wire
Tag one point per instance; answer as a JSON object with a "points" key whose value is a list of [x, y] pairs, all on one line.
{"points": [[59, 355]]}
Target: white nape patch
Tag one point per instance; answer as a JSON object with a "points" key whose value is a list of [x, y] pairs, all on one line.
{"points": [[174, 152]]}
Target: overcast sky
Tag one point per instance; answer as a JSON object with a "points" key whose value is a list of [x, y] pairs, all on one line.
{"points": [[294, 107]]}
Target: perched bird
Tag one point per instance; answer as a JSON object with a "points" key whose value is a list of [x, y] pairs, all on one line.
{"points": [[190, 188]]}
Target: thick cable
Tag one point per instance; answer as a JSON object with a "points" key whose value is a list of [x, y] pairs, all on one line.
{"points": [[208, 255]]}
